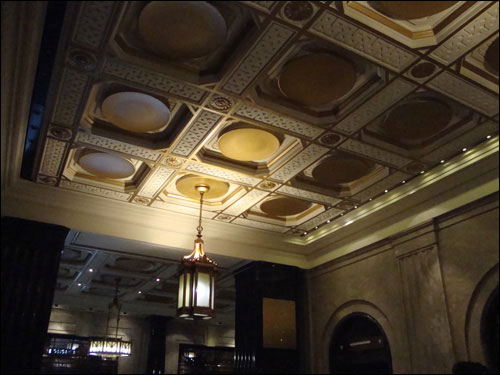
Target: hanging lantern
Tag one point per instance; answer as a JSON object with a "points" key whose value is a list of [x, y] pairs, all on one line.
{"points": [[197, 278], [111, 347]]}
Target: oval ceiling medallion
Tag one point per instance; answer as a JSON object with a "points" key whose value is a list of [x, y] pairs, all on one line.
{"points": [[341, 168], [417, 120], [423, 70], [186, 185], [491, 57], [182, 29], [130, 264], [410, 10], [135, 112], [317, 79], [284, 206], [247, 143], [106, 165]]}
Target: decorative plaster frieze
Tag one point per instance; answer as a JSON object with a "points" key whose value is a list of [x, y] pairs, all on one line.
{"points": [[373, 107], [374, 153], [264, 49], [71, 91], [199, 127], [154, 80], [265, 6], [156, 181], [299, 162], [94, 190], [111, 144], [52, 156], [308, 195], [224, 174], [247, 201], [465, 92], [469, 36], [92, 22], [365, 43], [278, 121]]}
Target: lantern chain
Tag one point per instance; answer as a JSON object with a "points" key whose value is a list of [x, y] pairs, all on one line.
{"points": [[200, 228]]}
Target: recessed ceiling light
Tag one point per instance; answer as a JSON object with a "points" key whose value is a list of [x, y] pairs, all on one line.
{"points": [[315, 227], [370, 199], [79, 284], [442, 161], [157, 280], [422, 172], [305, 232], [341, 214], [140, 292], [464, 149], [91, 270], [488, 136], [328, 221], [403, 182], [355, 206], [385, 191]]}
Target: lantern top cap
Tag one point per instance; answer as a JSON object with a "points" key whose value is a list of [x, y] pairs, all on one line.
{"points": [[198, 254]]}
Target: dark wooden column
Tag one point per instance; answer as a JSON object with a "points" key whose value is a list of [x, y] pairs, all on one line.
{"points": [[255, 282], [157, 344], [30, 261]]}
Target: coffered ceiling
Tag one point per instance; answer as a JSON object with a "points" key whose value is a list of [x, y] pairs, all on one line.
{"points": [[92, 266], [299, 114]]}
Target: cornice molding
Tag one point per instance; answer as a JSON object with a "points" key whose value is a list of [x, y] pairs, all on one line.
{"points": [[22, 27]]}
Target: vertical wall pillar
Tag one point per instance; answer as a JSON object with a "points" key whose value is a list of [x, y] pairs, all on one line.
{"points": [[157, 344], [30, 261], [258, 350], [429, 335]]}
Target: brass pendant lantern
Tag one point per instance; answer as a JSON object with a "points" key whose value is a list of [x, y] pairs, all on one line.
{"points": [[111, 347], [197, 278]]}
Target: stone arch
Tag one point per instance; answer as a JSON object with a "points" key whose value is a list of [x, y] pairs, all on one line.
{"points": [[484, 288], [360, 306]]}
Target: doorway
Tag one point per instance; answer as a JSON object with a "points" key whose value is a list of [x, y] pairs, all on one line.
{"points": [[489, 331], [359, 346]]}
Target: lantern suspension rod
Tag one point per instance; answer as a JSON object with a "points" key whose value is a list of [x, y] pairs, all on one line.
{"points": [[202, 189]]}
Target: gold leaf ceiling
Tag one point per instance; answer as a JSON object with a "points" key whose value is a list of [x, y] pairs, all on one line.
{"points": [[318, 107]]}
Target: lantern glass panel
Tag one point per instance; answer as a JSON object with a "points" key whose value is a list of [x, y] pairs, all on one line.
{"points": [[188, 290], [203, 290], [213, 292], [180, 298]]}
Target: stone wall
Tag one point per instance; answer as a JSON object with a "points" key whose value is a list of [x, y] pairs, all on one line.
{"points": [[426, 288]]}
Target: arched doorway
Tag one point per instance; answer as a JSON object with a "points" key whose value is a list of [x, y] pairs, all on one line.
{"points": [[489, 331], [359, 346]]}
